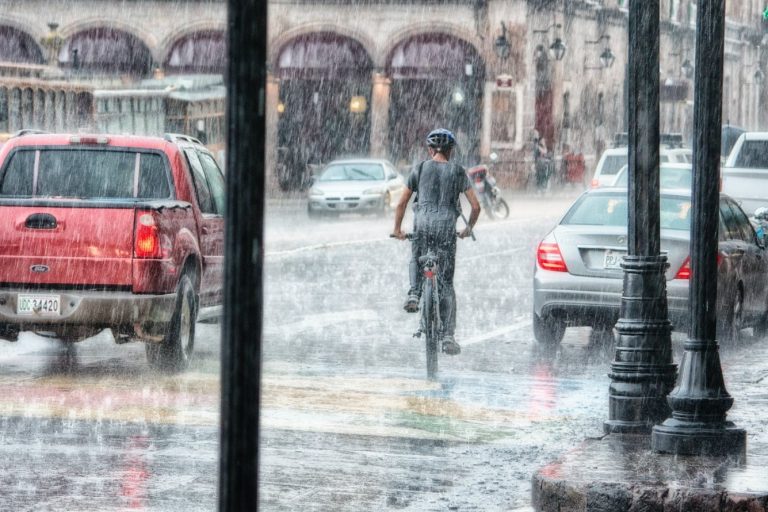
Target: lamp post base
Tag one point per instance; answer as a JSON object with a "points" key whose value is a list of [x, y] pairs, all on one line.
{"points": [[682, 438]]}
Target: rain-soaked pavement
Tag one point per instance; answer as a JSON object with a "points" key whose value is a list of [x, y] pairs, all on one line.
{"points": [[348, 420]]}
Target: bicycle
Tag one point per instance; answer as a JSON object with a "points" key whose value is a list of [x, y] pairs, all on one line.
{"points": [[430, 323]]}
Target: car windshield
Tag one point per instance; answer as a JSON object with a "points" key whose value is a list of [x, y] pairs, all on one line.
{"points": [[669, 177], [611, 210], [612, 164], [353, 172]]}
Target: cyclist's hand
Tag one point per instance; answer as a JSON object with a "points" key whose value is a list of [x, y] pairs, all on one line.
{"points": [[398, 234], [466, 232]]}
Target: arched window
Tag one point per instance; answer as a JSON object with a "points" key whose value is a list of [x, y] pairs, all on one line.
{"points": [[18, 46], [106, 51], [199, 52]]}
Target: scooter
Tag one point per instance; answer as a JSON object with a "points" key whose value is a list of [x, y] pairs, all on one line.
{"points": [[487, 192]]}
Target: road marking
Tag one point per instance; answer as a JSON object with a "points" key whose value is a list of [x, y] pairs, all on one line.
{"points": [[517, 326], [326, 245]]}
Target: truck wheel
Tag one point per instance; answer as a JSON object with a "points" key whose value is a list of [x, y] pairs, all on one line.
{"points": [[175, 351]]}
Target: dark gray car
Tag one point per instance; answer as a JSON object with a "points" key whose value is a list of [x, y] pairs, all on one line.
{"points": [[578, 278]]}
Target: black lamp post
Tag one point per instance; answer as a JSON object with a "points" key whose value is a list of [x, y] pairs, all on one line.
{"points": [[244, 246], [699, 402], [642, 373]]}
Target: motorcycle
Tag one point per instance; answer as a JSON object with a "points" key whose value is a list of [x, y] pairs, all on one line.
{"points": [[487, 192]]}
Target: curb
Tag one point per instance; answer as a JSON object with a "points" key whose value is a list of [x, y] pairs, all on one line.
{"points": [[620, 473]]}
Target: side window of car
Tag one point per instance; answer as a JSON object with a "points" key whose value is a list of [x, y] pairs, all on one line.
{"points": [[731, 223], [215, 180], [391, 172], [747, 233], [202, 191]]}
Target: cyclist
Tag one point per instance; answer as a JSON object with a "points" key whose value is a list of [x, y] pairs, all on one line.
{"points": [[438, 185]]}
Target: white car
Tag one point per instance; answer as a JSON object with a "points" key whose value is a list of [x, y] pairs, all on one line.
{"points": [[613, 159], [355, 186]]}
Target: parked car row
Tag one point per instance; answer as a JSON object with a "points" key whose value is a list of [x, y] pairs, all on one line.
{"points": [[578, 280]]}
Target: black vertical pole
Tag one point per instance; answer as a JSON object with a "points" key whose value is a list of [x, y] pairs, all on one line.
{"points": [[699, 402], [642, 372], [241, 330]]}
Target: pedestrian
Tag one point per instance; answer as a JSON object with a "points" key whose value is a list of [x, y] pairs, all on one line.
{"points": [[573, 167], [540, 162], [438, 184]]}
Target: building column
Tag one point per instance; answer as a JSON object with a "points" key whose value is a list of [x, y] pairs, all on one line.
{"points": [[273, 114], [380, 114]]}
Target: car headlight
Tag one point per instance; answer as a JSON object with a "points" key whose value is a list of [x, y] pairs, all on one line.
{"points": [[373, 191], [316, 192]]}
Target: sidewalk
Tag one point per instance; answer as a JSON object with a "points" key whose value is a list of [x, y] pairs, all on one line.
{"points": [[621, 473]]}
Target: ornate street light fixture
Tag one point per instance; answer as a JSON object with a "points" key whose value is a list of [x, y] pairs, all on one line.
{"points": [[501, 45], [558, 48], [759, 76], [687, 68], [607, 58]]}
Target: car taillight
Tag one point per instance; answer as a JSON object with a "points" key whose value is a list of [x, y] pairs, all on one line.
{"points": [[685, 268], [594, 183], [549, 257], [147, 243]]}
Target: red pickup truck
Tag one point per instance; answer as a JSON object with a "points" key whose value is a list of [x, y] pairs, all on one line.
{"points": [[110, 232]]}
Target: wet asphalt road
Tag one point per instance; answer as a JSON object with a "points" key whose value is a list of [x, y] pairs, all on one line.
{"points": [[348, 420]]}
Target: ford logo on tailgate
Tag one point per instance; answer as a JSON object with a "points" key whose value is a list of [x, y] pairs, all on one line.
{"points": [[39, 268]]}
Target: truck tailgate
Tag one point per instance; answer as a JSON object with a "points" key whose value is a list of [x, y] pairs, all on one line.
{"points": [[68, 246]]}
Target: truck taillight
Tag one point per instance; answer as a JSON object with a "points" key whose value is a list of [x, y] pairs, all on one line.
{"points": [[549, 257], [147, 243], [84, 139]]}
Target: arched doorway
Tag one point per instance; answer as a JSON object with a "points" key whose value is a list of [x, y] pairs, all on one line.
{"points": [[204, 51], [18, 46], [437, 81], [106, 51], [324, 109]]}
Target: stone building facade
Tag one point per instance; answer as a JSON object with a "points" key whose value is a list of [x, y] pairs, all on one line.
{"points": [[371, 77]]}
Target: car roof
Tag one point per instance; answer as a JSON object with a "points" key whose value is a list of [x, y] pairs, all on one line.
{"points": [[360, 161], [755, 135], [64, 139]]}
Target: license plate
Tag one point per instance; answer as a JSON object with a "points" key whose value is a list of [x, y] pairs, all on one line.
{"points": [[613, 259], [38, 304]]}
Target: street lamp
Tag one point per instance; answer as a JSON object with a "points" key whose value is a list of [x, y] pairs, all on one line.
{"points": [[687, 68], [607, 58], [558, 48], [501, 45], [759, 76]]}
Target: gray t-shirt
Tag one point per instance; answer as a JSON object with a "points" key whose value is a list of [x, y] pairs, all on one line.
{"points": [[438, 186]]}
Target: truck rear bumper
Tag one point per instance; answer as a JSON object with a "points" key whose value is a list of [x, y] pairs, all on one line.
{"points": [[122, 311]]}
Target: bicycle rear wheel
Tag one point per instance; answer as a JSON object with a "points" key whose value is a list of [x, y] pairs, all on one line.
{"points": [[429, 310]]}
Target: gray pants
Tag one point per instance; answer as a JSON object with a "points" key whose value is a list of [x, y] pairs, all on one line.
{"points": [[442, 241]]}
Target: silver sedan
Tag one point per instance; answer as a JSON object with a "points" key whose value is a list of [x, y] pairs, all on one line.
{"points": [[355, 186], [578, 279]]}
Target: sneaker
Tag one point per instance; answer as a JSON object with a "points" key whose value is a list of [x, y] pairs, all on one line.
{"points": [[411, 303], [450, 347]]}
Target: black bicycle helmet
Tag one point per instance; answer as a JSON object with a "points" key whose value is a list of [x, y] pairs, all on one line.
{"points": [[441, 139]]}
